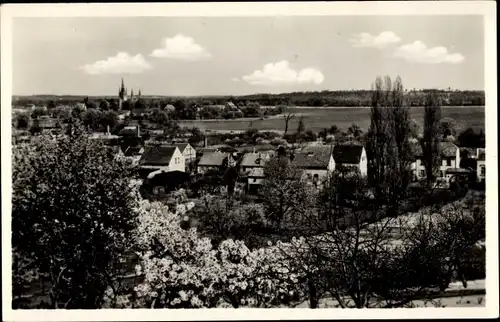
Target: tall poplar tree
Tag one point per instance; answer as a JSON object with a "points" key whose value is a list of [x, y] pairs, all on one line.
{"points": [[431, 138]]}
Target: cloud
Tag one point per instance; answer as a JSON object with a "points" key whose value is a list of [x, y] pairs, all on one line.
{"points": [[419, 53], [181, 47], [365, 39], [119, 64], [280, 73]]}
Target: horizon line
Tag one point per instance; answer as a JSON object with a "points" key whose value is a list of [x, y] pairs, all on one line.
{"points": [[251, 94]]}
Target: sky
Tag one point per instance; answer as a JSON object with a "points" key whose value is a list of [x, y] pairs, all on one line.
{"points": [[185, 56]]}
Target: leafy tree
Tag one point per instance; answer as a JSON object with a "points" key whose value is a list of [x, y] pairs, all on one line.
{"points": [[77, 111], [113, 105], [447, 127], [72, 215], [196, 136], [109, 118], [252, 109], [431, 138], [51, 105], [36, 128], [91, 105], [355, 130], [388, 141], [62, 113], [283, 189], [92, 118], [104, 105], [23, 121], [333, 130], [469, 138], [401, 129], [184, 270], [378, 136], [190, 110], [323, 133], [38, 111], [140, 104], [159, 117]]}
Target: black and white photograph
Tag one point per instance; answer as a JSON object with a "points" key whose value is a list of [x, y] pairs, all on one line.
{"points": [[311, 158]]}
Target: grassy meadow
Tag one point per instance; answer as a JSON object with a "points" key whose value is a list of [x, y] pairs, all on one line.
{"points": [[318, 118]]}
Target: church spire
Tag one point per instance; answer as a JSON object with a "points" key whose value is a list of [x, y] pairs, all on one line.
{"points": [[139, 92], [122, 92]]}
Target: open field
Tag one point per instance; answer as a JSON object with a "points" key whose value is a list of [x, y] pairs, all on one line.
{"points": [[318, 118]]}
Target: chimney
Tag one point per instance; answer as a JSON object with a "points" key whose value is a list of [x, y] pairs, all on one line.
{"points": [[107, 130], [254, 149], [206, 141], [138, 131]]}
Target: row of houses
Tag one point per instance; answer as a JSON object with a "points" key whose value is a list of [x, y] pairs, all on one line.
{"points": [[316, 162]]}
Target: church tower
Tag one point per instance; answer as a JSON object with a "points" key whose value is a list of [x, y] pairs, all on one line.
{"points": [[122, 95]]}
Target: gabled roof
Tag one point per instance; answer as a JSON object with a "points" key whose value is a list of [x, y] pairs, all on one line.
{"points": [[212, 159], [313, 158], [157, 155], [181, 146], [136, 142], [133, 151], [347, 154], [254, 159], [207, 150], [448, 149]]}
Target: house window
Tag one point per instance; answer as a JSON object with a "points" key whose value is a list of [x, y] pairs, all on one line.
{"points": [[483, 170], [422, 173], [448, 162]]}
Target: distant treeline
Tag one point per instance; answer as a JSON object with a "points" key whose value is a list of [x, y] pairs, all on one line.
{"points": [[318, 99]]}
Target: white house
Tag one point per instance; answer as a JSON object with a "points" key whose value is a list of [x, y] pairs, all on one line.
{"points": [[316, 162], [187, 151], [163, 159], [450, 160], [481, 165], [351, 157]]}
